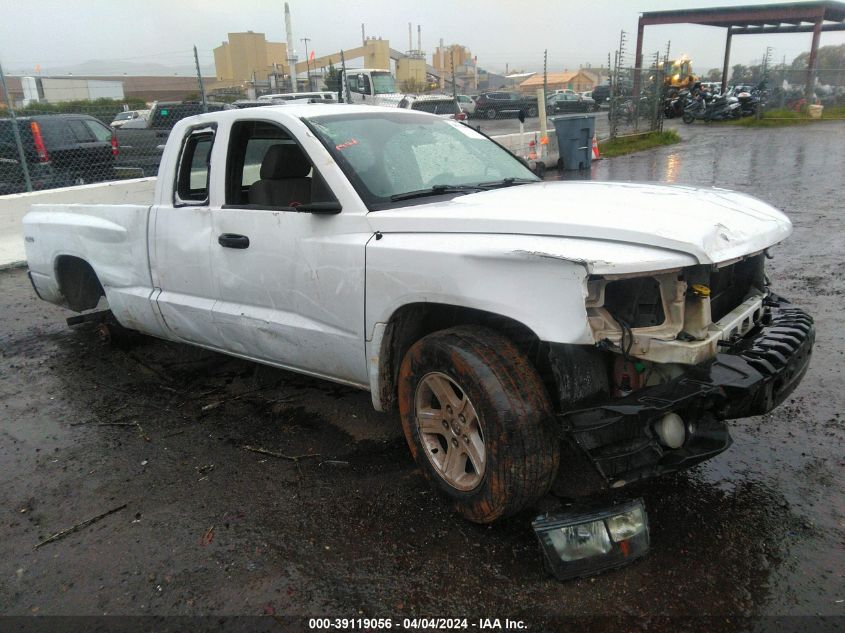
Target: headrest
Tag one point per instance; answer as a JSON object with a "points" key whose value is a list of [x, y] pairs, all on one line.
{"points": [[284, 161]]}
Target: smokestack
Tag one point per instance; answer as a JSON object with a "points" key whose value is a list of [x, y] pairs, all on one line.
{"points": [[363, 34], [410, 38], [291, 50], [419, 37], [442, 52]]}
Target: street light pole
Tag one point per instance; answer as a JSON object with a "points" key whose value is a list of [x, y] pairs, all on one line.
{"points": [[307, 61]]}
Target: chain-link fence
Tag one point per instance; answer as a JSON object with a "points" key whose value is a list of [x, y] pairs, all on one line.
{"points": [[636, 101], [70, 130]]}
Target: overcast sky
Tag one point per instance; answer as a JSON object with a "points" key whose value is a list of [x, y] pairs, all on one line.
{"points": [[65, 32]]}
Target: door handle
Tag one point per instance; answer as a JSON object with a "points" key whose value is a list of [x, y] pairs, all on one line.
{"points": [[233, 240]]}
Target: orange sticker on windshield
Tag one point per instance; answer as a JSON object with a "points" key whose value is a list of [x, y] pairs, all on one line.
{"points": [[348, 143]]}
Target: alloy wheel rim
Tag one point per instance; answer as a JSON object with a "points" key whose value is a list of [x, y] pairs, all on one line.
{"points": [[450, 431]]}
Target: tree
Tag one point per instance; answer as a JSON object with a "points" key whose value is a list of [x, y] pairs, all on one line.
{"points": [[830, 62], [103, 109], [746, 74], [331, 81], [714, 74]]}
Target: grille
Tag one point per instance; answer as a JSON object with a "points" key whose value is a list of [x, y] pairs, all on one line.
{"points": [[731, 285]]}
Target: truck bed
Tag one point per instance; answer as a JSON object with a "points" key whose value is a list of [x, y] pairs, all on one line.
{"points": [[111, 238]]}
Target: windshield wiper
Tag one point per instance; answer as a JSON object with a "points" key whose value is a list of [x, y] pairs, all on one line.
{"points": [[505, 182], [436, 190]]}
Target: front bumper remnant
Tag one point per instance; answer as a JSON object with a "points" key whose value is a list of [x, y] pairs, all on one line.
{"points": [[752, 376]]}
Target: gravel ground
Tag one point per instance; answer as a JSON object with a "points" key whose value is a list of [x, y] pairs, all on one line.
{"points": [[350, 528]]}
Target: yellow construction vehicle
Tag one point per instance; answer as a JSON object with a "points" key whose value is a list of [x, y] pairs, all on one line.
{"points": [[677, 74]]}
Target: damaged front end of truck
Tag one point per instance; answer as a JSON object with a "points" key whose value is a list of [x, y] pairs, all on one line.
{"points": [[685, 351]]}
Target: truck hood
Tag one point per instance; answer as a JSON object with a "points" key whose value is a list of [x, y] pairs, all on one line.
{"points": [[712, 225]]}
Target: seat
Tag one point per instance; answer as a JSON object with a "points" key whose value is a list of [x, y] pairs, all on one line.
{"points": [[284, 178]]}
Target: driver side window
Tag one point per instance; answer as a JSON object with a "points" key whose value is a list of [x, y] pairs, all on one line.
{"points": [[267, 169]]}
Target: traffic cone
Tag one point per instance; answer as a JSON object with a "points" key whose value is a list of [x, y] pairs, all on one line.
{"points": [[596, 155]]}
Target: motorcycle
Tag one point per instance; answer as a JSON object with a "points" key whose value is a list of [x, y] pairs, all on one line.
{"points": [[673, 105], [714, 109], [748, 103]]}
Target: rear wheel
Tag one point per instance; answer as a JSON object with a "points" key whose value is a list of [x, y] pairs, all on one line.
{"points": [[688, 118], [478, 421], [491, 113], [532, 111]]}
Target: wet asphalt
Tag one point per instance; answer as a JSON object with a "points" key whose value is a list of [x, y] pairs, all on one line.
{"points": [[349, 528]]}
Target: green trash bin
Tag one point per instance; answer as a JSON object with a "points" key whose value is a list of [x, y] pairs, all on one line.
{"points": [[575, 140]]}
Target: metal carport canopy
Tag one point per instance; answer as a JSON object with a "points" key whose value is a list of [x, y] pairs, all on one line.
{"points": [[788, 17]]}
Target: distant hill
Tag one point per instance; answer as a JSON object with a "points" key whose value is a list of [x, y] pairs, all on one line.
{"points": [[105, 67]]}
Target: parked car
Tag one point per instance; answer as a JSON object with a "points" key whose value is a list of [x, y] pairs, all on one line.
{"points": [[467, 104], [498, 104], [601, 93], [441, 105], [165, 114], [322, 95], [122, 118], [413, 257], [142, 147], [61, 150], [565, 102], [140, 123]]}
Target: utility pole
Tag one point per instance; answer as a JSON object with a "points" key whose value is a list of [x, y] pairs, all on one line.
{"points": [[15, 131], [545, 74], [442, 68], [307, 60], [292, 59], [452, 63], [344, 85], [199, 79]]}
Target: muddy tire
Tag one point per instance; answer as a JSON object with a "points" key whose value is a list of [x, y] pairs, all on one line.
{"points": [[478, 421]]}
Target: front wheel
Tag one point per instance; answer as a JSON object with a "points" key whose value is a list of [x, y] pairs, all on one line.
{"points": [[478, 421], [491, 113], [532, 111], [688, 118]]}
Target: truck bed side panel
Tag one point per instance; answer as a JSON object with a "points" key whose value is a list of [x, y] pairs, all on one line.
{"points": [[111, 238]]}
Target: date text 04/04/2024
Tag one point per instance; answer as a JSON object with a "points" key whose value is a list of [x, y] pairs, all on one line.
{"points": [[488, 624]]}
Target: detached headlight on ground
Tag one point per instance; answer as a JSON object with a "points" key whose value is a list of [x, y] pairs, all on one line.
{"points": [[587, 541]]}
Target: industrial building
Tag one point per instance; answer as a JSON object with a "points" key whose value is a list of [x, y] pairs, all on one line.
{"points": [[249, 56], [25, 90]]}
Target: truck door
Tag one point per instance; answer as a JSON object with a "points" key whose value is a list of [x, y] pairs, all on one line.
{"points": [[180, 253], [290, 282]]}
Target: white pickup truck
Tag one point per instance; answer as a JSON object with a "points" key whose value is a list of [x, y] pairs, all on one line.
{"points": [[413, 257]]}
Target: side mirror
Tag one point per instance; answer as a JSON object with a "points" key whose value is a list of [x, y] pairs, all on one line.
{"points": [[522, 116]]}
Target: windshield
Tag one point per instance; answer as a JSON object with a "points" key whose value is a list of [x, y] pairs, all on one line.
{"points": [[383, 83], [122, 116], [386, 154]]}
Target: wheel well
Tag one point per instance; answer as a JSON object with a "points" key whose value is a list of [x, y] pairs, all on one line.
{"points": [[78, 283], [413, 321]]}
